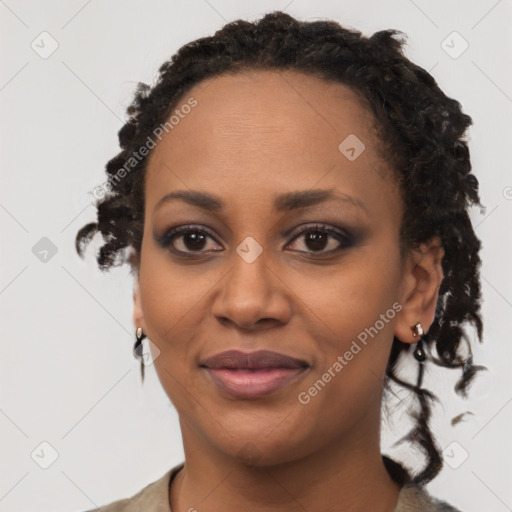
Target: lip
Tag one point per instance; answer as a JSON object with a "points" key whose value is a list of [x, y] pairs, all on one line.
{"points": [[259, 360], [251, 375]]}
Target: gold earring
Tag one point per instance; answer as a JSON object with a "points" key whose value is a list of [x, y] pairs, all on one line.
{"points": [[419, 352], [417, 330]]}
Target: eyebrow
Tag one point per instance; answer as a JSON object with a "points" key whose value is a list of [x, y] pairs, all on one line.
{"points": [[285, 202]]}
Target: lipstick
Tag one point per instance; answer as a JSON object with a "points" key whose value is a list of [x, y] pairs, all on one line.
{"points": [[250, 375]]}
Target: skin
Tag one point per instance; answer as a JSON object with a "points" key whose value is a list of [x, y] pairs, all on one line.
{"points": [[252, 136]]}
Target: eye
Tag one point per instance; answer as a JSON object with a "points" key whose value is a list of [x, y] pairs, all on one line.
{"points": [[317, 237], [187, 240]]}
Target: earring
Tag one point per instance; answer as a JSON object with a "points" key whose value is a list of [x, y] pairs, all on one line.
{"points": [[419, 352], [417, 330], [137, 347]]}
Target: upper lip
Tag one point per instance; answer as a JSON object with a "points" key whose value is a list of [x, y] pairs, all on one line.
{"points": [[236, 359]]}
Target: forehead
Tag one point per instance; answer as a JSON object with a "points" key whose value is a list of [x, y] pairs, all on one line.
{"points": [[266, 129], [270, 108]]}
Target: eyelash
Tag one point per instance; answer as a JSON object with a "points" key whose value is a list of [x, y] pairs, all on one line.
{"points": [[171, 235]]}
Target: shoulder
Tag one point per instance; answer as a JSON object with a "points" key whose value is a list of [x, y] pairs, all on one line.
{"points": [[414, 498], [153, 497]]}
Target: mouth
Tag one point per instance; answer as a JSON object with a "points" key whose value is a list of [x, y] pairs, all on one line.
{"points": [[243, 376]]}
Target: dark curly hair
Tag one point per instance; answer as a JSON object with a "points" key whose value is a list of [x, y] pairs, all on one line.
{"points": [[421, 129]]}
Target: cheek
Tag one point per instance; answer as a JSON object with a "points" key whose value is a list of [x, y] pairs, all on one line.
{"points": [[347, 383], [357, 305], [170, 294], [168, 303], [351, 297]]}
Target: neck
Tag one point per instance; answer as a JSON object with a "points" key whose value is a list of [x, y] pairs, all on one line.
{"points": [[350, 476]]}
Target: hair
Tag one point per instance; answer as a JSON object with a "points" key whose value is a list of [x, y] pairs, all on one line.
{"points": [[421, 129]]}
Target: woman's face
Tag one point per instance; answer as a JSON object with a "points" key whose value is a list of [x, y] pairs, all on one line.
{"points": [[260, 158]]}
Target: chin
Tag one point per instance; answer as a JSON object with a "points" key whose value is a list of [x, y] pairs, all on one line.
{"points": [[256, 448]]}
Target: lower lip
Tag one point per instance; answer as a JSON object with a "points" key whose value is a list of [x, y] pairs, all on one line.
{"points": [[247, 384]]}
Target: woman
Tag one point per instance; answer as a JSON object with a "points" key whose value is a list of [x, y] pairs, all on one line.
{"points": [[294, 199]]}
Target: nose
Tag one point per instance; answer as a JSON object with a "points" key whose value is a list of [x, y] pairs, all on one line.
{"points": [[252, 296]]}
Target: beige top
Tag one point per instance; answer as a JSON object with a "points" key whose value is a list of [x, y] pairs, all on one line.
{"points": [[155, 498]]}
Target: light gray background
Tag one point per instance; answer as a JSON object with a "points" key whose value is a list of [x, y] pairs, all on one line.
{"points": [[68, 375]]}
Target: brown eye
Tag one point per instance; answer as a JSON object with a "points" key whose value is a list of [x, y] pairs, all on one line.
{"points": [[318, 238], [186, 239], [194, 240]]}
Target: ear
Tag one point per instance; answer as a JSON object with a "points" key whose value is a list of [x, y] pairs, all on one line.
{"points": [[138, 315], [422, 277]]}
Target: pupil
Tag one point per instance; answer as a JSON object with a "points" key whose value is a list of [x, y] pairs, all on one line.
{"points": [[194, 240], [316, 240]]}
